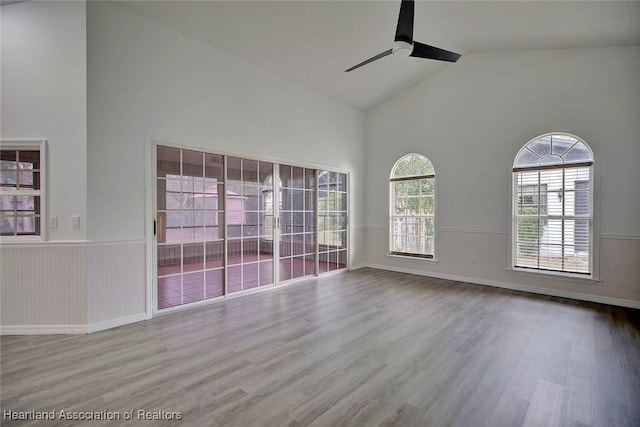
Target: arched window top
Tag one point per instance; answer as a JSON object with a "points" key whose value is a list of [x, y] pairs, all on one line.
{"points": [[553, 149], [412, 165]]}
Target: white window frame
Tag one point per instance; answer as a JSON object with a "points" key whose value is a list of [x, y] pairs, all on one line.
{"points": [[593, 275], [410, 255], [32, 145]]}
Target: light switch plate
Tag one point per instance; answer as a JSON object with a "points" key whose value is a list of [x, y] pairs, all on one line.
{"points": [[53, 221], [75, 221]]}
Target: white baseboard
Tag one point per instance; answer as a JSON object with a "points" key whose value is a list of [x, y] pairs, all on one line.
{"points": [[42, 329], [507, 285], [70, 329], [114, 323]]}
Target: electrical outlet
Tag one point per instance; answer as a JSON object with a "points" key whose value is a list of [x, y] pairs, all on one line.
{"points": [[53, 221]]}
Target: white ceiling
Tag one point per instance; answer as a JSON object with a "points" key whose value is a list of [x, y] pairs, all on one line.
{"points": [[313, 42]]}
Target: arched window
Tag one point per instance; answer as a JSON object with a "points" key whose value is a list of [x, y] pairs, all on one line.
{"points": [[412, 207], [553, 205]]}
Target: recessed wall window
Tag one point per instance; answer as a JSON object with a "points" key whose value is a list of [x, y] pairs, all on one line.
{"points": [[553, 205], [412, 207], [21, 189]]}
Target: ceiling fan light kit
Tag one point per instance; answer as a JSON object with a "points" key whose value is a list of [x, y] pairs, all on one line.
{"points": [[404, 45]]}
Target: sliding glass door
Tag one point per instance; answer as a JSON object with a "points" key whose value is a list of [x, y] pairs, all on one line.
{"points": [[297, 255], [226, 224], [189, 226], [332, 221], [249, 224]]}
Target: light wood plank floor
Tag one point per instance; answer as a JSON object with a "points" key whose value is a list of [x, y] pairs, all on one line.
{"points": [[361, 348]]}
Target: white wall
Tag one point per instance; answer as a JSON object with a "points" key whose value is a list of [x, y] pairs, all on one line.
{"points": [[471, 119], [145, 79], [44, 285], [44, 89]]}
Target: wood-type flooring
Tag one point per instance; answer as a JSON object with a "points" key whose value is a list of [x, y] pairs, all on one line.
{"points": [[356, 348]]}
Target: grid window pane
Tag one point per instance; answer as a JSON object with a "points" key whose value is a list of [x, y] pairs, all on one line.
{"points": [[412, 207], [20, 192], [552, 213]]}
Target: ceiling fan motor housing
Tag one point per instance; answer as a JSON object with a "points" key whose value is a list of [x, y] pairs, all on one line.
{"points": [[402, 48]]}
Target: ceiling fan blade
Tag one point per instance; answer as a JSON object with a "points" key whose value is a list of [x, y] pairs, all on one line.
{"points": [[421, 50], [404, 30], [375, 58]]}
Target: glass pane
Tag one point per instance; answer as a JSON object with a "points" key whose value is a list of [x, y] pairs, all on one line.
{"points": [[298, 245], [250, 275], [578, 153], [193, 257], [249, 171], [541, 146], [8, 178], [266, 273], [29, 159], [286, 246], [234, 169], [173, 183], [193, 287], [213, 233], [265, 171], [169, 291], [234, 278], [7, 224], [28, 180], [168, 161], [214, 254], [214, 187], [266, 249], [297, 178], [286, 267], [298, 264], [309, 243], [561, 143], [250, 250], [551, 159], [527, 255], [530, 229], [234, 251], [214, 283], [7, 203], [309, 179], [527, 157], [192, 163], [234, 231], [214, 166], [285, 175]]}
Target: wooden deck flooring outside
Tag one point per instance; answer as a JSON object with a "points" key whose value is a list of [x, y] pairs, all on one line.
{"points": [[361, 348]]}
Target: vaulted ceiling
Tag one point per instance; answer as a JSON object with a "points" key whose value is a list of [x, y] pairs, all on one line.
{"points": [[313, 42]]}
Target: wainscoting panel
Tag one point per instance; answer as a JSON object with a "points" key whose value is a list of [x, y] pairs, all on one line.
{"points": [[482, 257], [43, 285], [116, 281], [71, 287]]}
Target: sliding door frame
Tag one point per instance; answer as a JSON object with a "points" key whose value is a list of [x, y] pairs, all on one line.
{"points": [[151, 146]]}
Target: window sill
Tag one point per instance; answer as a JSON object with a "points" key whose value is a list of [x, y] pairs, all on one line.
{"points": [[550, 275], [415, 258], [8, 240]]}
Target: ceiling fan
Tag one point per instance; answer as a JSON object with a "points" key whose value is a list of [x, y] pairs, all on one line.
{"points": [[405, 45]]}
